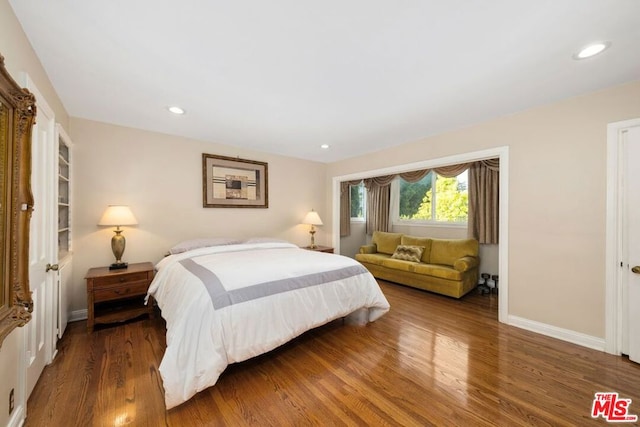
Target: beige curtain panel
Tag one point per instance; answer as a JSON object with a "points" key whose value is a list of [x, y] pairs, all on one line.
{"points": [[378, 197], [484, 203]]}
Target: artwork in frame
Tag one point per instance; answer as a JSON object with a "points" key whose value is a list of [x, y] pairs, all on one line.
{"points": [[230, 182]]}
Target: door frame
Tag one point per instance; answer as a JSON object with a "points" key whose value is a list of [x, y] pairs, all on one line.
{"points": [[614, 286]]}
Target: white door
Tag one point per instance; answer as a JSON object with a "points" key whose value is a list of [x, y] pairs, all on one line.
{"points": [[39, 331], [631, 245]]}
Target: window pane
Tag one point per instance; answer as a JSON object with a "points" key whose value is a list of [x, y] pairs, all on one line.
{"points": [[417, 200], [452, 198], [357, 201]]}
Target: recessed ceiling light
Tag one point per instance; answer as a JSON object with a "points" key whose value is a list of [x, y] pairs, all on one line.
{"points": [[175, 109], [324, 146], [591, 50]]}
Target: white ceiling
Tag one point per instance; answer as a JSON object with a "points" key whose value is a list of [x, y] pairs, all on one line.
{"points": [[285, 76]]}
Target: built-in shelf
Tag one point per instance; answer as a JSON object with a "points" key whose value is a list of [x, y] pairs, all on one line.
{"points": [[64, 194]]}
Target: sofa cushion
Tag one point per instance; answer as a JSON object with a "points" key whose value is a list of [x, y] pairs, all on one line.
{"points": [[441, 271], [447, 251], [398, 264], [372, 258], [425, 242], [386, 242], [408, 253]]}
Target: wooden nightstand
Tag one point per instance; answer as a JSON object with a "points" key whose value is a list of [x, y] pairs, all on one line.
{"points": [[118, 295], [319, 248]]}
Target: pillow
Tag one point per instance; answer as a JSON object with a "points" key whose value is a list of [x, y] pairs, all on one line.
{"points": [[264, 240], [419, 241], [189, 245], [447, 251], [386, 243], [408, 253]]}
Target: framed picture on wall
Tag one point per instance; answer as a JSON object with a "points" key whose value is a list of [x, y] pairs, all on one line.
{"points": [[230, 182]]}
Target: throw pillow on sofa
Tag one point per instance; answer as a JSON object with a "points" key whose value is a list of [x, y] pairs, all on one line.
{"points": [[408, 253]]}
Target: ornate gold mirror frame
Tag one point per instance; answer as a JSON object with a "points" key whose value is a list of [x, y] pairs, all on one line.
{"points": [[17, 114]]}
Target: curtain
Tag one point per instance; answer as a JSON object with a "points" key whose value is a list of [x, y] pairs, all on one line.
{"points": [[414, 176], [484, 179], [377, 205], [452, 171], [345, 206], [484, 203], [379, 198]]}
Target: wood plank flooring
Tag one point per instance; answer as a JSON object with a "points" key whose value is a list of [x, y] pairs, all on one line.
{"points": [[431, 360]]}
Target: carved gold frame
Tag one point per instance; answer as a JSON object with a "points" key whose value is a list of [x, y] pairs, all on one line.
{"points": [[17, 116]]}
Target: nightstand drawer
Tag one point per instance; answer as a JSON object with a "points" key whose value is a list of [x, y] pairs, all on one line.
{"points": [[108, 281], [131, 289]]}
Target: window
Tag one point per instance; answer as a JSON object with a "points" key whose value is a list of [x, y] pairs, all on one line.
{"points": [[449, 203], [357, 202]]}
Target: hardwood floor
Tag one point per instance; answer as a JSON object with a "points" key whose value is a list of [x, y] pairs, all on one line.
{"points": [[431, 360]]}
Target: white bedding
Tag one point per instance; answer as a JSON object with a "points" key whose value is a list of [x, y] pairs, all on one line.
{"points": [[259, 296]]}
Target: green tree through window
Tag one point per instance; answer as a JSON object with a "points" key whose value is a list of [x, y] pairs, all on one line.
{"points": [[357, 201], [451, 199], [412, 195]]}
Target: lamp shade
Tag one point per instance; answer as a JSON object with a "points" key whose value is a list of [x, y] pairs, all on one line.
{"points": [[312, 218], [118, 215]]}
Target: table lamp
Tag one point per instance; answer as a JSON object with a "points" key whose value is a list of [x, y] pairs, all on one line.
{"points": [[314, 219], [118, 215]]}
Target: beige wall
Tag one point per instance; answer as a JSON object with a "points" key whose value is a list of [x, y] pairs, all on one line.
{"points": [[19, 58], [556, 199], [160, 177], [350, 245]]}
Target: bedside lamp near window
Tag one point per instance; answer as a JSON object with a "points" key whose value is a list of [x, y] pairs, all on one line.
{"points": [[118, 215], [314, 219]]}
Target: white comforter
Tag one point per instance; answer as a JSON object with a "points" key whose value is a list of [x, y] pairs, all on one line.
{"points": [[258, 297]]}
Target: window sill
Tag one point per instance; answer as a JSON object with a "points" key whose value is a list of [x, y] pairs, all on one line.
{"points": [[430, 224]]}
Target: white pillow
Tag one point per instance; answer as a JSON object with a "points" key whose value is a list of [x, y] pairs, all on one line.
{"points": [[264, 240], [189, 245]]}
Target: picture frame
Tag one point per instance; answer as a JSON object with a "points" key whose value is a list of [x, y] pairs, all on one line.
{"points": [[230, 182]]}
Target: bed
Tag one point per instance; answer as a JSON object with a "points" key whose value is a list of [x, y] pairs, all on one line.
{"points": [[230, 301]]}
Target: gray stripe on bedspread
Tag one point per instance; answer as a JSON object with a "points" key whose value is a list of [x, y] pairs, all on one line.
{"points": [[222, 298], [208, 278]]}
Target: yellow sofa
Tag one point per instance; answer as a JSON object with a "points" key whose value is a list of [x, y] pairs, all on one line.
{"points": [[445, 266]]}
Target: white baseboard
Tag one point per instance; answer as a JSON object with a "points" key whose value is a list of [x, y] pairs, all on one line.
{"points": [[559, 333], [17, 418], [76, 315]]}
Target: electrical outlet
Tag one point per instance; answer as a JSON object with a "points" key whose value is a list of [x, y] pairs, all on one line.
{"points": [[11, 401]]}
